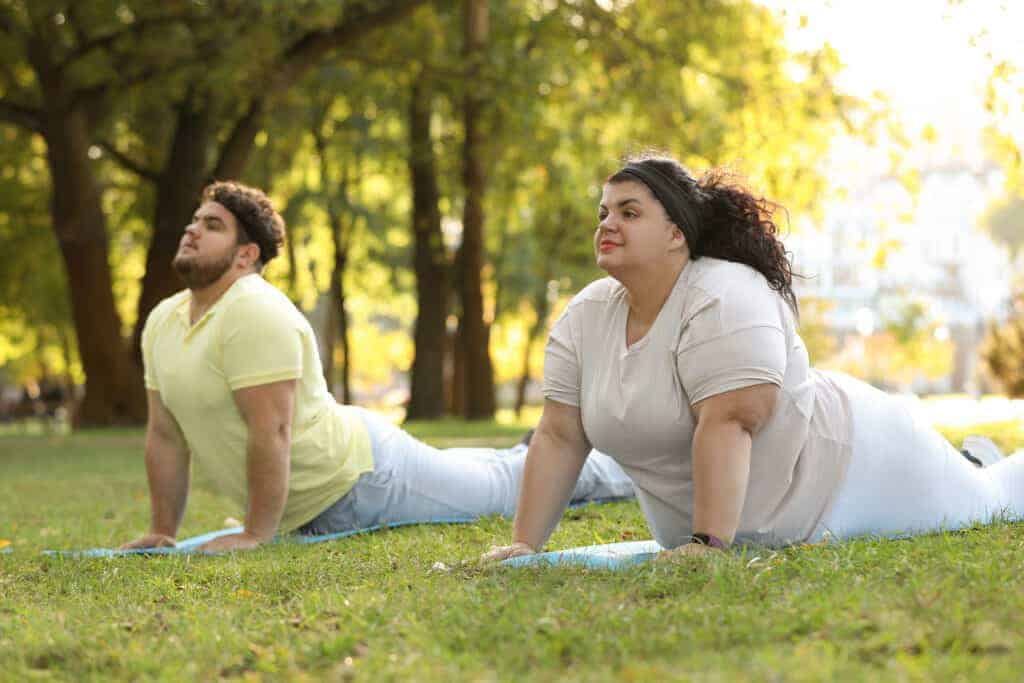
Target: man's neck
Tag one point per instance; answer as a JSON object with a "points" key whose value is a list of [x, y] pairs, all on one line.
{"points": [[204, 298]]}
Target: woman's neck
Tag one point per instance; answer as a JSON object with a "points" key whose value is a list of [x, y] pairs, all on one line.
{"points": [[650, 287]]}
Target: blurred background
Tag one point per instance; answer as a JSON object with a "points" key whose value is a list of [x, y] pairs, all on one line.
{"points": [[439, 164]]}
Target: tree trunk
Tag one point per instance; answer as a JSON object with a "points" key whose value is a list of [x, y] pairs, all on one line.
{"points": [[338, 315], [114, 391], [177, 194], [341, 313], [457, 387], [479, 375], [542, 306], [426, 396]]}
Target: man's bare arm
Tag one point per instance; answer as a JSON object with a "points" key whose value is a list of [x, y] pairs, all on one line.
{"points": [[267, 410], [167, 469]]}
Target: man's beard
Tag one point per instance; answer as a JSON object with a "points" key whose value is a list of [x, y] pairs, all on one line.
{"points": [[196, 275]]}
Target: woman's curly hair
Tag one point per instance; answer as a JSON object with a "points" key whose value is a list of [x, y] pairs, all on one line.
{"points": [[256, 217], [733, 223]]}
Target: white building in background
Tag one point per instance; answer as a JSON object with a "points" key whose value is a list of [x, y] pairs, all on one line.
{"points": [[882, 248]]}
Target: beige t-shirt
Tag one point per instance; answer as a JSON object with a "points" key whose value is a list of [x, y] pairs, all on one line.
{"points": [[722, 328]]}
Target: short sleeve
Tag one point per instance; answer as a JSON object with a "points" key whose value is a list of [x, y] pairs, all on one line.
{"points": [[260, 344], [148, 366], [561, 363], [732, 343]]}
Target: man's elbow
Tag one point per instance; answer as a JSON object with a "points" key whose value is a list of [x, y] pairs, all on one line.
{"points": [[272, 432]]}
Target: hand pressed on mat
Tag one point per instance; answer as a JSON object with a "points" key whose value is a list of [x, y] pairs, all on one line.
{"points": [[232, 542], [150, 541], [499, 553], [686, 552]]}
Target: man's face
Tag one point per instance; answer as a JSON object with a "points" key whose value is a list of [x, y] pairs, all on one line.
{"points": [[209, 248]]}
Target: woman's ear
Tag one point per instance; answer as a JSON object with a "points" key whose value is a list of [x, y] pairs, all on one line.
{"points": [[678, 238]]}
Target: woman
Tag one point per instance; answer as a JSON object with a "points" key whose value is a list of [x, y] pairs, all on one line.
{"points": [[686, 367]]}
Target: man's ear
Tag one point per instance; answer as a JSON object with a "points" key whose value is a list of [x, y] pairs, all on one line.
{"points": [[248, 255]]}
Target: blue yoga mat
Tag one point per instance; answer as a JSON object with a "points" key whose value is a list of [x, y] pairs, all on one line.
{"points": [[191, 545], [610, 556]]}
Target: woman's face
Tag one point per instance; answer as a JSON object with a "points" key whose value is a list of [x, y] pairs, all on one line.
{"points": [[633, 232]]}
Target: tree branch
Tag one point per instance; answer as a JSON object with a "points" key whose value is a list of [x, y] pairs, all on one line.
{"points": [[295, 62], [127, 163], [656, 51], [306, 52], [8, 24], [235, 152], [86, 96], [99, 42], [20, 115]]}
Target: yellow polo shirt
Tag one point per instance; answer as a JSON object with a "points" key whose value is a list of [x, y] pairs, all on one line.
{"points": [[253, 335]]}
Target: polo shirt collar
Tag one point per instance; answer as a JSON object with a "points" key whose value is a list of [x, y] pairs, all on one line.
{"points": [[230, 293]]}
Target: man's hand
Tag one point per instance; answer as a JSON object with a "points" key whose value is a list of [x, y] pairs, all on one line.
{"points": [[150, 541], [497, 554], [686, 552], [231, 543]]}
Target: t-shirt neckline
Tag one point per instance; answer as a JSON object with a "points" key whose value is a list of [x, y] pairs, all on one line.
{"points": [[637, 346]]}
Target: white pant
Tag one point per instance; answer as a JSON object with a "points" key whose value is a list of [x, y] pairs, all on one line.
{"points": [[413, 482], [905, 478]]}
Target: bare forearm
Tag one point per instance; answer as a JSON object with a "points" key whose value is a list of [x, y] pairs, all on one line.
{"points": [[552, 467], [167, 464], [268, 470], [721, 469]]}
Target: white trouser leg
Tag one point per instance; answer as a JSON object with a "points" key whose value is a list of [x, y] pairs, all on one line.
{"points": [[905, 478], [414, 482]]}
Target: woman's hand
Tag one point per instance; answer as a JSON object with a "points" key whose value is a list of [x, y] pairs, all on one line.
{"points": [[499, 553], [150, 540], [685, 552], [231, 542]]}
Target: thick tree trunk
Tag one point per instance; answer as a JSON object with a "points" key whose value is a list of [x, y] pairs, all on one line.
{"points": [[475, 333], [113, 389], [426, 397], [177, 193], [457, 386]]}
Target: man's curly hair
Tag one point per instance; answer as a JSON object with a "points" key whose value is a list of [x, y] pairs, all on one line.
{"points": [[256, 217]]}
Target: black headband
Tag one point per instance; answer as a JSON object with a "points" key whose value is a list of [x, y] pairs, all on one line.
{"points": [[680, 211]]}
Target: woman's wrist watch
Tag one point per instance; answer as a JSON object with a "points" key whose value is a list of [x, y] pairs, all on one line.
{"points": [[709, 540]]}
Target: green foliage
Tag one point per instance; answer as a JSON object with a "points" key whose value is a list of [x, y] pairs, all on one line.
{"points": [[35, 320], [1005, 223], [940, 607], [1003, 351], [814, 329], [571, 87]]}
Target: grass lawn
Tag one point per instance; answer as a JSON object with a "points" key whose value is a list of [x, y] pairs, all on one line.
{"points": [[943, 607]]}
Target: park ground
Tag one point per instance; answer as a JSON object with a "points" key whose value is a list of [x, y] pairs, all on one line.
{"points": [[378, 607]]}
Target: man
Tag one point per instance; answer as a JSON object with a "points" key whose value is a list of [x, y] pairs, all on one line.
{"points": [[234, 381], [233, 378]]}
